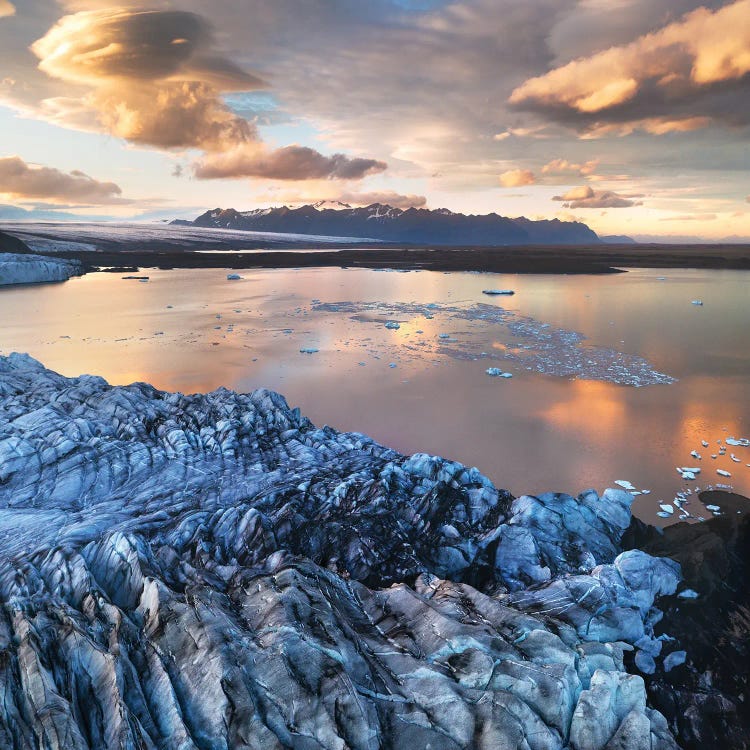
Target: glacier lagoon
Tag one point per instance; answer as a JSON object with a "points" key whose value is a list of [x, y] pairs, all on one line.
{"points": [[615, 377]]}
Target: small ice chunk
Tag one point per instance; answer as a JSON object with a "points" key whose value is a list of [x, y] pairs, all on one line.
{"points": [[493, 292], [743, 442], [393, 325], [645, 662], [704, 443], [695, 454], [309, 350], [663, 514], [624, 484], [668, 509], [735, 459], [496, 372], [393, 365], [713, 508], [697, 302], [689, 475], [645, 492], [444, 335], [674, 660], [233, 277], [723, 473]]}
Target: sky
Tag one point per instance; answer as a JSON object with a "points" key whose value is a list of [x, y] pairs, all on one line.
{"points": [[632, 116]]}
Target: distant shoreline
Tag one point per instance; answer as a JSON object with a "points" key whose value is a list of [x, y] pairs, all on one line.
{"points": [[560, 259]]}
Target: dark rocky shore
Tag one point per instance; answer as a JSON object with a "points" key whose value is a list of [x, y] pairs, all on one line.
{"points": [[214, 571]]}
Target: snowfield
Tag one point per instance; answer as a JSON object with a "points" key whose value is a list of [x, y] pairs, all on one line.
{"points": [[50, 237]]}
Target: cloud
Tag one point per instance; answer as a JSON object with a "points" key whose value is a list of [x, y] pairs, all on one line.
{"points": [[650, 125], [586, 197], [563, 166], [21, 180], [155, 80], [388, 197], [176, 115], [690, 217], [747, 200], [6, 8], [288, 163], [130, 45], [701, 52], [517, 178]]}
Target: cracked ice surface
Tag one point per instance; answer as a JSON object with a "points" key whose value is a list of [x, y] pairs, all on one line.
{"points": [[215, 571], [535, 346]]}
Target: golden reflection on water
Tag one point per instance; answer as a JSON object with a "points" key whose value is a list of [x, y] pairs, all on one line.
{"points": [[530, 434]]}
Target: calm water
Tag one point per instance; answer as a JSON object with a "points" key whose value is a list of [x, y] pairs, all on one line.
{"points": [[535, 432]]}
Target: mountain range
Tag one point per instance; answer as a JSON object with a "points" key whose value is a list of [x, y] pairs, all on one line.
{"points": [[388, 224]]}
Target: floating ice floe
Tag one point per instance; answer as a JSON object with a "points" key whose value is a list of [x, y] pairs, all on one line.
{"points": [[704, 443], [713, 508], [695, 454], [309, 350], [496, 372], [675, 659], [697, 302], [444, 335], [393, 365], [233, 277], [663, 514], [723, 473], [667, 508], [624, 484], [742, 442], [735, 459], [393, 325], [688, 472], [494, 292], [688, 594]]}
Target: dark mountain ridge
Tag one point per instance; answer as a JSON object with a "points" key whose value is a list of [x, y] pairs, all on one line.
{"points": [[412, 225]]}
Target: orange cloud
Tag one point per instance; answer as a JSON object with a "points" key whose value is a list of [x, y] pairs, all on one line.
{"points": [[128, 45], [6, 9], [702, 49], [517, 178], [156, 80], [652, 125], [388, 197], [21, 180], [563, 166]]}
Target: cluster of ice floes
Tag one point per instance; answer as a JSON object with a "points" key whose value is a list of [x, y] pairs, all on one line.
{"points": [[691, 474], [528, 343], [215, 571], [35, 269]]}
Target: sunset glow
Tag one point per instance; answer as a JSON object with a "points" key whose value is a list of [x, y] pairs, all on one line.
{"points": [[629, 116]]}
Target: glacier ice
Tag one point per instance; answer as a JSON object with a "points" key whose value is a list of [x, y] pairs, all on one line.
{"points": [[214, 571]]}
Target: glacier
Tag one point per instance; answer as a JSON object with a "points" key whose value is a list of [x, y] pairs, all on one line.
{"points": [[17, 268], [215, 571]]}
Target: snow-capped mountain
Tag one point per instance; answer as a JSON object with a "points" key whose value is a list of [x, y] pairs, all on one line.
{"points": [[411, 226]]}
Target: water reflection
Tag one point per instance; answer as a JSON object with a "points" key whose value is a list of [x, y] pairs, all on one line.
{"points": [[529, 434]]}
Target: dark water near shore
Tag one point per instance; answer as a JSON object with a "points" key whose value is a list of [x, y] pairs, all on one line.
{"points": [[556, 426]]}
